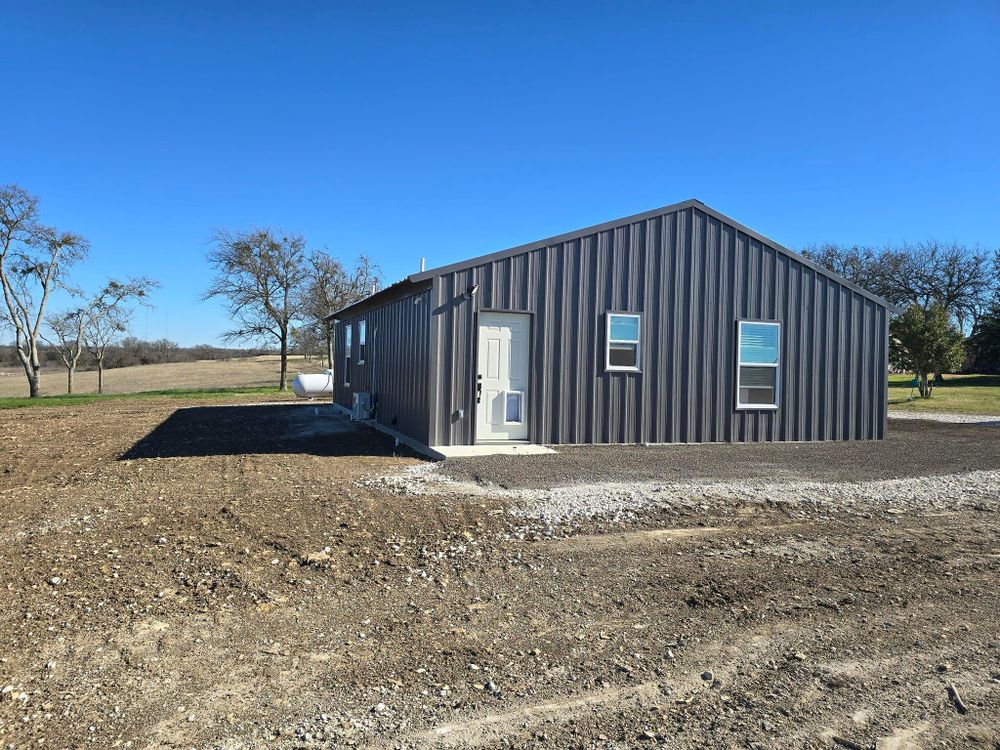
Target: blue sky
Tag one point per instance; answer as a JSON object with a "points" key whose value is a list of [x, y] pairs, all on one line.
{"points": [[449, 130]]}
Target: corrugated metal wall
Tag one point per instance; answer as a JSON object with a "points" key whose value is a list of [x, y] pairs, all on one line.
{"points": [[692, 276], [397, 357]]}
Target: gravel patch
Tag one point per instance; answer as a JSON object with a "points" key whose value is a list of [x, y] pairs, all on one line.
{"points": [[990, 420], [912, 449], [618, 502]]}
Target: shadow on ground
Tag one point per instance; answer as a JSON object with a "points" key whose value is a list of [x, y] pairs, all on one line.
{"points": [[313, 429]]}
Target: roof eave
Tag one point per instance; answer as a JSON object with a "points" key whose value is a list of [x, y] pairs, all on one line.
{"points": [[689, 203]]}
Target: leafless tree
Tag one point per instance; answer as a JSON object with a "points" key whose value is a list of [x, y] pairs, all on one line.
{"points": [[103, 331], [259, 274], [109, 316], [948, 274], [331, 287], [67, 339], [34, 260], [951, 275], [71, 330], [306, 340]]}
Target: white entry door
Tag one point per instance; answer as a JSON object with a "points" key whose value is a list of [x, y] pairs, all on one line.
{"points": [[502, 377]]}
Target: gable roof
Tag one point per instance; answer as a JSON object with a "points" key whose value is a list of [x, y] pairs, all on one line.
{"points": [[417, 279]]}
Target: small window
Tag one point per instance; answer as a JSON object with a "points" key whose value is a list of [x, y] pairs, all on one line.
{"points": [[758, 365], [362, 341], [623, 342], [513, 410], [348, 335]]}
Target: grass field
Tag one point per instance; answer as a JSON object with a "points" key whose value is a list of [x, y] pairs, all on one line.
{"points": [[961, 394], [187, 379]]}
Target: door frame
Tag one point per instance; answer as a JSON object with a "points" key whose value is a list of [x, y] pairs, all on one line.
{"points": [[474, 371]]}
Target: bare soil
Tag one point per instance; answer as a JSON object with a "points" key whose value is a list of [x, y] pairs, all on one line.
{"points": [[222, 577]]}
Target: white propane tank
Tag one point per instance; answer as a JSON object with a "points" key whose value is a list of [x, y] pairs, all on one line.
{"points": [[311, 385]]}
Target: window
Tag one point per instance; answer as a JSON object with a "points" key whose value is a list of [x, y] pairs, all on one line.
{"points": [[758, 365], [362, 340], [623, 342], [513, 410], [348, 335]]}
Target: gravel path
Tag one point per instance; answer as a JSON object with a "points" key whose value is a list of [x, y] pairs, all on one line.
{"points": [[912, 449], [991, 420], [979, 490]]}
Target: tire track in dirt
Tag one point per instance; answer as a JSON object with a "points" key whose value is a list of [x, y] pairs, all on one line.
{"points": [[643, 536], [730, 654]]}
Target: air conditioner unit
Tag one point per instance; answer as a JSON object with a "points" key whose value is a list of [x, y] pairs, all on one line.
{"points": [[361, 407]]}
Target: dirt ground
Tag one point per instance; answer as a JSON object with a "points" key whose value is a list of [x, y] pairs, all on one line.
{"points": [[252, 372], [235, 577]]}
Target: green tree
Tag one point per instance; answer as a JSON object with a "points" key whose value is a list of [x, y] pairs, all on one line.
{"points": [[984, 343], [928, 343]]}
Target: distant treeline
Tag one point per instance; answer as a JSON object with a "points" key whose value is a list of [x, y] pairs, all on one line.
{"points": [[133, 351]]}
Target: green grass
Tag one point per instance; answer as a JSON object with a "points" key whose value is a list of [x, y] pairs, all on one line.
{"points": [[78, 399], [962, 394]]}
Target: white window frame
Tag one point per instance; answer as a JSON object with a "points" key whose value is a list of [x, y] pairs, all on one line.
{"points": [[362, 340], [740, 364], [608, 341], [520, 411], [348, 335]]}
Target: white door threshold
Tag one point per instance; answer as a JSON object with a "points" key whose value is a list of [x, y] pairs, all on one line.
{"points": [[492, 449]]}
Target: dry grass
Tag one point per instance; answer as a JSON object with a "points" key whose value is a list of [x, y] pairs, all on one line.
{"points": [[254, 372]]}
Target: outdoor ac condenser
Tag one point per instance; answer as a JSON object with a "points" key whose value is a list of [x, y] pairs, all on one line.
{"points": [[361, 406]]}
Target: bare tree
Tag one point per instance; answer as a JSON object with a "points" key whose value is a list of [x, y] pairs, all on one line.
{"points": [[330, 287], [929, 273], [103, 331], [71, 329], [307, 341], [259, 274], [951, 275], [67, 339], [108, 317], [34, 260]]}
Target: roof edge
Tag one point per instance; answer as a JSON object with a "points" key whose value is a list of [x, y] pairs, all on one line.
{"points": [[554, 240], [396, 290], [423, 276], [798, 257]]}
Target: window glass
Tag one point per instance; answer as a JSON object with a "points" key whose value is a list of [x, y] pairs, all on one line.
{"points": [[759, 343], [624, 328], [348, 331], [512, 407], [623, 341], [757, 385], [758, 364], [623, 355], [362, 340]]}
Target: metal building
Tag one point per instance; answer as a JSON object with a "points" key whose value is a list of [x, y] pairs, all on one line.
{"points": [[674, 325]]}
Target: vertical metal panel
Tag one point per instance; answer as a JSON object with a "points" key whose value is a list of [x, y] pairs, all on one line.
{"points": [[397, 363], [692, 276]]}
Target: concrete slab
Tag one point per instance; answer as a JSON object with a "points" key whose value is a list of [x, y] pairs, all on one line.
{"points": [[439, 452], [499, 449], [315, 421]]}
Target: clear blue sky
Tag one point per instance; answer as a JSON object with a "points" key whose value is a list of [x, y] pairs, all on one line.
{"points": [[448, 130]]}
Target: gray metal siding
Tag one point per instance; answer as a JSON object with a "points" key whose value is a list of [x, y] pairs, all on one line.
{"points": [[397, 357], [692, 276]]}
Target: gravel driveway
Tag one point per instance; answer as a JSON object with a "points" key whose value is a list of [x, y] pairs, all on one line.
{"points": [[913, 449]]}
